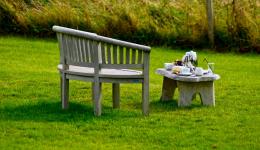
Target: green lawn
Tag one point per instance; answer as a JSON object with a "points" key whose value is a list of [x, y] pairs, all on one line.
{"points": [[31, 115]]}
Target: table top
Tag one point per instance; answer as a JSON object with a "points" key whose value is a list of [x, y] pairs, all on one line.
{"points": [[191, 78]]}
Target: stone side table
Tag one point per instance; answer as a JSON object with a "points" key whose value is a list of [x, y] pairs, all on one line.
{"points": [[188, 87]]}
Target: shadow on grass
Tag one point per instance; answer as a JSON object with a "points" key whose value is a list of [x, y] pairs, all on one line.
{"points": [[172, 105], [51, 111], [160, 106]]}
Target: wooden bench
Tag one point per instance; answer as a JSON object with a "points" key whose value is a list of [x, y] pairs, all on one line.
{"points": [[89, 57]]}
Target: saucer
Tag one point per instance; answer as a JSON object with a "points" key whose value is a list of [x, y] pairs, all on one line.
{"points": [[185, 74]]}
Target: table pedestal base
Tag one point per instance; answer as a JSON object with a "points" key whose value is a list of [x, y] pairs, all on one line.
{"points": [[188, 90]]}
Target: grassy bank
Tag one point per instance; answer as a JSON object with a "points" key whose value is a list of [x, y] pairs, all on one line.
{"points": [[31, 115], [172, 23]]}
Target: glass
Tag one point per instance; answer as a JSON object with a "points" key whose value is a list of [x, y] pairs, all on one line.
{"points": [[211, 67]]}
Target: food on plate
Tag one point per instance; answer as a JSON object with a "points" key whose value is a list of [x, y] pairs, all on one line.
{"points": [[176, 69]]}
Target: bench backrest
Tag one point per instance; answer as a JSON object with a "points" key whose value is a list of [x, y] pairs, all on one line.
{"points": [[89, 50]]}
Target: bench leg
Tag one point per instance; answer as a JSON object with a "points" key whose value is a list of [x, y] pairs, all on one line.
{"points": [[168, 88], [207, 94], [64, 92], [187, 91], [116, 95], [145, 96], [97, 87]]}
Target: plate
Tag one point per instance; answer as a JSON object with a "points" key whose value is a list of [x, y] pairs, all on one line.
{"points": [[185, 74]]}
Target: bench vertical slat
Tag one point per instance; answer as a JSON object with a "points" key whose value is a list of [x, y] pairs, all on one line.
{"points": [[80, 50], [69, 47], [61, 46], [88, 44], [133, 56], [127, 55], [103, 53], [108, 54], [140, 56], [88, 48], [72, 49], [115, 54], [64, 43], [75, 49], [92, 50], [121, 55], [83, 50], [145, 86]]}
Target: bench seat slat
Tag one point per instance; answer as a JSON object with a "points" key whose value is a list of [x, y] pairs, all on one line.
{"points": [[122, 66], [123, 73]]}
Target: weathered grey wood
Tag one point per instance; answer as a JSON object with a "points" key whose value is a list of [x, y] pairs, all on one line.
{"points": [[116, 95], [87, 71], [93, 50], [121, 80], [69, 49], [74, 32], [103, 53], [145, 85], [64, 91], [114, 54], [75, 46], [122, 66], [80, 78], [61, 47], [168, 89], [94, 36], [123, 43], [116, 76], [82, 64], [97, 97], [73, 50], [89, 57], [97, 83], [87, 50], [83, 52], [80, 50]]}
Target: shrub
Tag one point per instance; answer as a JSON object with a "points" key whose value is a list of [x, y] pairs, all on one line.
{"points": [[166, 22]]}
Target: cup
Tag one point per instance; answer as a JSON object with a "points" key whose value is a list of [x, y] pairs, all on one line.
{"points": [[185, 70], [211, 67], [198, 71], [168, 66]]}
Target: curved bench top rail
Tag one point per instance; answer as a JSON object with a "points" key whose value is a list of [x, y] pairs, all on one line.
{"points": [[123, 43], [74, 32], [94, 36]]}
